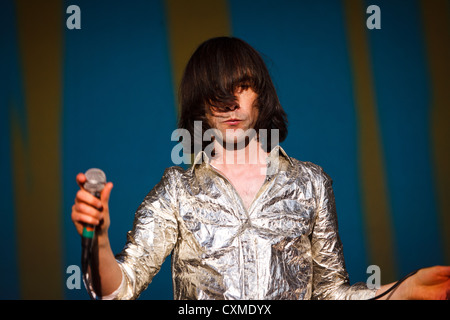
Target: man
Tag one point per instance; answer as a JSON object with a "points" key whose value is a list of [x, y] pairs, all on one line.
{"points": [[245, 221]]}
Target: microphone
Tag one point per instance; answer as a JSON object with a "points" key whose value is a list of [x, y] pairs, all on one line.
{"points": [[95, 182]]}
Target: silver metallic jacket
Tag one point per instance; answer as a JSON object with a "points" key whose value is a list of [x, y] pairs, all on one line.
{"points": [[285, 246]]}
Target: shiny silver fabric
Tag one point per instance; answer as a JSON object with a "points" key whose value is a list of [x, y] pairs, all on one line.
{"points": [[285, 246]]}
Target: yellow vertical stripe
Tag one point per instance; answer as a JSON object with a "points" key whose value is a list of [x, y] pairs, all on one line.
{"points": [[437, 35], [36, 150], [190, 23], [372, 171]]}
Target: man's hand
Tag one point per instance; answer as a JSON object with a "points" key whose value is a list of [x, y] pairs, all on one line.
{"points": [[106, 274], [90, 210], [426, 284], [429, 284]]}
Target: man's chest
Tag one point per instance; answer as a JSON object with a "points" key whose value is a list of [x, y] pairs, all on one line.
{"points": [[247, 187], [246, 183], [216, 219]]}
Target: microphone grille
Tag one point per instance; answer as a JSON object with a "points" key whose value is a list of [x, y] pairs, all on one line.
{"points": [[95, 180]]}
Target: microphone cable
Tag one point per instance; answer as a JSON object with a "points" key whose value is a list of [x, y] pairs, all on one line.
{"points": [[86, 254]]}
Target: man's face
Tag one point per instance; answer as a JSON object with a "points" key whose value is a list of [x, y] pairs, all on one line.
{"points": [[243, 115]]}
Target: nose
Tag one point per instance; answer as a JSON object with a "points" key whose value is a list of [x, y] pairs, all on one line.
{"points": [[231, 107]]}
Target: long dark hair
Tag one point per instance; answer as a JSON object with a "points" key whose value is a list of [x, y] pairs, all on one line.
{"points": [[215, 70]]}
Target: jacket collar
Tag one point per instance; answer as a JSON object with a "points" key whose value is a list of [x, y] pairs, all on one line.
{"points": [[202, 156]]}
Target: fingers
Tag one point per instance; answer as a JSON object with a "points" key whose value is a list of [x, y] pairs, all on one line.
{"points": [[83, 213], [106, 192], [87, 207], [443, 271], [85, 197], [81, 179]]}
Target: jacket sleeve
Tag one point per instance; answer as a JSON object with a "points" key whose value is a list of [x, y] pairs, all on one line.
{"points": [[152, 238], [330, 277]]}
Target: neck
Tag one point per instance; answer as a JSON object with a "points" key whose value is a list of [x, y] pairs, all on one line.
{"points": [[251, 154]]}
